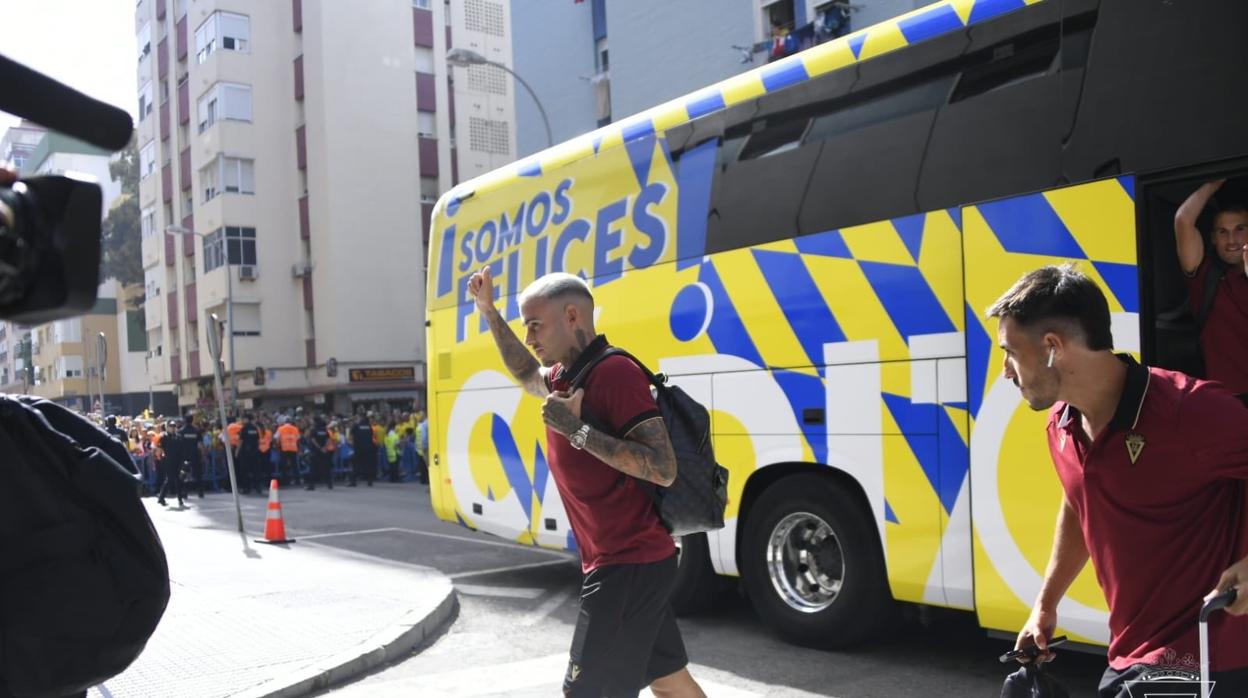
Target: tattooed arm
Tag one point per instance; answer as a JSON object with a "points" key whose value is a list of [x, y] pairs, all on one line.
{"points": [[645, 452], [522, 365]]}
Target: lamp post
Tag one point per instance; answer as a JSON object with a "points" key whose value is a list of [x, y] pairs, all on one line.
{"points": [[229, 300], [462, 58]]}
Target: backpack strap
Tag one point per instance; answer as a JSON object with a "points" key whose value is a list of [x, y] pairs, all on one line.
{"points": [[657, 380], [1212, 277]]}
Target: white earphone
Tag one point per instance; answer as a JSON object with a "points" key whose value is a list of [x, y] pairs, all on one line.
{"points": [[1051, 351]]}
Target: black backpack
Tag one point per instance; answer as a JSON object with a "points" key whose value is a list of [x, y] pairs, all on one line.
{"points": [[695, 502], [83, 576]]}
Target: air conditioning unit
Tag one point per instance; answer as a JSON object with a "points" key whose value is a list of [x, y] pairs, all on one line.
{"points": [[300, 269], [248, 272]]}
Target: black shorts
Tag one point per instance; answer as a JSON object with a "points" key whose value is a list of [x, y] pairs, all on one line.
{"points": [[626, 634], [1147, 680]]}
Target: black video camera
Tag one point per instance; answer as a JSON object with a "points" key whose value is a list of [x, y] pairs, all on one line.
{"points": [[50, 226]]}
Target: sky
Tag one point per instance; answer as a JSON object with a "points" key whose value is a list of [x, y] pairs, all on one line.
{"points": [[89, 45]]}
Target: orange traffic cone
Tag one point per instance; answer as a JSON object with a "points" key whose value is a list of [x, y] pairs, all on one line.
{"points": [[274, 527]]}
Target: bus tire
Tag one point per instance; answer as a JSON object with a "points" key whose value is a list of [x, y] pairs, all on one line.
{"points": [[697, 587], [812, 566]]}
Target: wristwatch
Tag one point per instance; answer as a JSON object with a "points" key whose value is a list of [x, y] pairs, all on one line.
{"points": [[577, 438]]}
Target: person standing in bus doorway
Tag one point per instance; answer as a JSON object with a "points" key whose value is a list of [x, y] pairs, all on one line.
{"points": [[1153, 465], [1217, 284], [626, 635]]}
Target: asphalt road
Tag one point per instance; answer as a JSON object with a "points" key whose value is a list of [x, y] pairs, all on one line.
{"points": [[518, 607]]}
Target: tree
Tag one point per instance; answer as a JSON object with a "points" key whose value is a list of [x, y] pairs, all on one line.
{"points": [[121, 238]]}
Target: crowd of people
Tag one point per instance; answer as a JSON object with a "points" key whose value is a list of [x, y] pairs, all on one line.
{"points": [[298, 447]]}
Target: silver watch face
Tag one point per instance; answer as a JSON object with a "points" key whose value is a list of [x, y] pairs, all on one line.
{"points": [[578, 437]]}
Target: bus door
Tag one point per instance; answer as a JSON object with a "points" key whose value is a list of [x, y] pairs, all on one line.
{"points": [[1015, 490]]}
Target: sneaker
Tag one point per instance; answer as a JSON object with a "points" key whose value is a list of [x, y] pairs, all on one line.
{"points": [[161, 502]]}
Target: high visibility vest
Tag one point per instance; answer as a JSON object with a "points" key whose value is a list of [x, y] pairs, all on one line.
{"points": [[233, 431], [266, 440], [379, 434], [333, 441], [288, 438]]}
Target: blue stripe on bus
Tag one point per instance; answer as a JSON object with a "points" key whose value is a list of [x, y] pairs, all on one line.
{"points": [[956, 214], [829, 243], [800, 300], [637, 129], [1128, 185], [987, 9], [1029, 225], [955, 460], [640, 154], [890, 515], [694, 172], [446, 261], [978, 349], [780, 76], [704, 104], [532, 168], [934, 22], [918, 425], [513, 467], [856, 42], [726, 330], [804, 392], [910, 228], [1123, 282], [907, 298], [540, 471]]}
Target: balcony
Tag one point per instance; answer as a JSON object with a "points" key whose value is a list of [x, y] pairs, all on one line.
{"points": [[422, 27], [301, 147], [428, 148], [426, 97], [162, 58], [166, 182], [830, 25], [184, 168], [299, 77], [305, 225], [184, 102], [180, 39]]}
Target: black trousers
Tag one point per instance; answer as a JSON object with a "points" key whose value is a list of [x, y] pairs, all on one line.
{"points": [[364, 465], [197, 473], [422, 469], [248, 471], [171, 480], [288, 467], [322, 463]]}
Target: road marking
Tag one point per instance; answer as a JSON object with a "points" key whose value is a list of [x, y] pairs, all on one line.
{"points": [[548, 607], [371, 558], [496, 543], [502, 592], [304, 536], [511, 568]]}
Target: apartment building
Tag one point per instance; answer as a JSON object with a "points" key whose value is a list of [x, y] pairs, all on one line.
{"points": [[303, 143]]}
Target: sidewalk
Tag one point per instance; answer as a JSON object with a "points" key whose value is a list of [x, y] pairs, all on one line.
{"points": [[253, 620]]}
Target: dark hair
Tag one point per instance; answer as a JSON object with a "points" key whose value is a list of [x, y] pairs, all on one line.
{"points": [[1052, 296]]}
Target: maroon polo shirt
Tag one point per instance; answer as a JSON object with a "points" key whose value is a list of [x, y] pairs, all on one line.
{"points": [[612, 514], [1162, 529], [1224, 338]]}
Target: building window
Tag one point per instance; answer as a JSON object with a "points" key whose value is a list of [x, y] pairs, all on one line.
{"points": [[488, 136], [239, 243], [147, 220], [222, 30], [601, 62], [67, 331], [422, 4], [145, 100], [145, 41], [147, 160], [224, 101], [151, 286], [228, 175]]}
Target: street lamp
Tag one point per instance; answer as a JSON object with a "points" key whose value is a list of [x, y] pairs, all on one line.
{"points": [[229, 300], [462, 58]]}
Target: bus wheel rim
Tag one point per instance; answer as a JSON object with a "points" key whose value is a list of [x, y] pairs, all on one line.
{"points": [[805, 562]]}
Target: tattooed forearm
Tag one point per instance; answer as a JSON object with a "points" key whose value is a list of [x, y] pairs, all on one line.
{"points": [[516, 356], [645, 453]]}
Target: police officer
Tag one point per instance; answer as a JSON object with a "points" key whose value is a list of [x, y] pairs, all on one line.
{"points": [[191, 447], [365, 465], [318, 440], [172, 445], [249, 456]]}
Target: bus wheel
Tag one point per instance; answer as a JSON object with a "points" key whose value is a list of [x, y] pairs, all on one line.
{"points": [[697, 587], [812, 566]]}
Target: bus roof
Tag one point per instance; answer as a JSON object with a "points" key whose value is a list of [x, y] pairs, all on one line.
{"points": [[905, 30]]}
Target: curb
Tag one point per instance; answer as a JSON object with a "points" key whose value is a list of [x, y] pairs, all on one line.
{"points": [[386, 646]]}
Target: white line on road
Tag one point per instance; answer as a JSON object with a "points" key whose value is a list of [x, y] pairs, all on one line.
{"points": [[548, 607], [502, 592], [512, 568], [304, 536], [481, 541]]}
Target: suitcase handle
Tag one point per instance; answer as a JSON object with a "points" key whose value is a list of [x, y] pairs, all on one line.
{"points": [[1222, 600]]}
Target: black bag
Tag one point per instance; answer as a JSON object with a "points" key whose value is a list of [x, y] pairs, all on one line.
{"points": [[83, 576], [695, 502], [1032, 682]]}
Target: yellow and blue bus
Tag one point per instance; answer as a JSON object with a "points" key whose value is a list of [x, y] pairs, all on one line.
{"points": [[808, 247]]}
